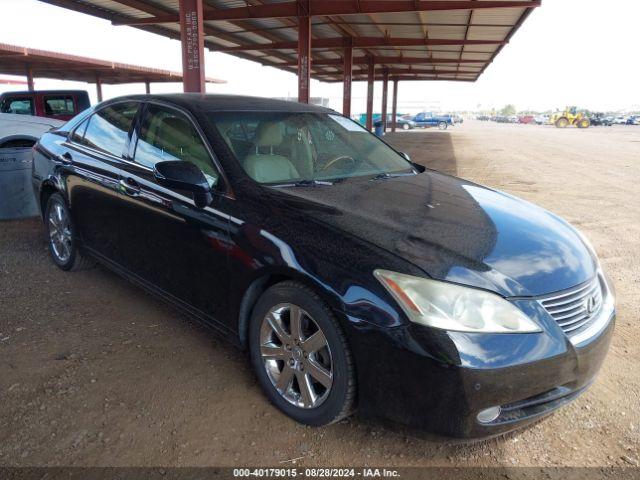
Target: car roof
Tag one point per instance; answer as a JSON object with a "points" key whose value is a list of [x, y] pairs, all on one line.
{"points": [[226, 103]]}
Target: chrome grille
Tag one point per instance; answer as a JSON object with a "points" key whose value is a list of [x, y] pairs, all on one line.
{"points": [[576, 307]]}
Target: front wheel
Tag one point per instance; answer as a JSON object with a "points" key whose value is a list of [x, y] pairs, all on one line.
{"points": [[442, 125], [301, 356], [61, 236], [406, 126]]}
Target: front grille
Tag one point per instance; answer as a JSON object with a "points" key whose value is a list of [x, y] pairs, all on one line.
{"points": [[576, 307]]}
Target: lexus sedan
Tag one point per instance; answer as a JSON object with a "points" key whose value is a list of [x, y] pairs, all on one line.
{"points": [[354, 278]]}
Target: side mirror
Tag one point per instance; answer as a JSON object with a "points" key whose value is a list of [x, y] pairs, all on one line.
{"points": [[184, 176]]}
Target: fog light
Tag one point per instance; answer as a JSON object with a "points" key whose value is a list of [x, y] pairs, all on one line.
{"points": [[488, 415]]}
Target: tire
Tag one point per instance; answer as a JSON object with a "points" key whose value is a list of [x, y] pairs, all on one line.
{"points": [[333, 402], [562, 122], [584, 123], [442, 125], [61, 236], [406, 126]]}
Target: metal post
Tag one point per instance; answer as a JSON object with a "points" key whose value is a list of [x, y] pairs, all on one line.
{"points": [[192, 38], [99, 87], [370, 79], [394, 105], [147, 87], [29, 72], [385, 92], [304, 58], [347, 70]]}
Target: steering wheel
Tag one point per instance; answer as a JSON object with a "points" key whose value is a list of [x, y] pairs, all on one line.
{"points": [[339, 158]]}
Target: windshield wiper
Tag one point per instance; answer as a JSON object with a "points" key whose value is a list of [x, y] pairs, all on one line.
{"points": [[386, 175], [306, 183]]}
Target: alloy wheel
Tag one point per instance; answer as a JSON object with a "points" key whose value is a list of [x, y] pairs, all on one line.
{"points": [[296, 356], [60, 232]]}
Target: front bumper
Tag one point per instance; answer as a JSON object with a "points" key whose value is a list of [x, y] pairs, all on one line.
{"points": [[439, 381]]}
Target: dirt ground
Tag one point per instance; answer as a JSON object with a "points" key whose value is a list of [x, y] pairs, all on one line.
{"points": [[94, 372]]}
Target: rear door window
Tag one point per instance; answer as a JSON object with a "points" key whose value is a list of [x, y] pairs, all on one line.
{"points": [[59, 105], [18, 105], [167, 134], [108, 129]]}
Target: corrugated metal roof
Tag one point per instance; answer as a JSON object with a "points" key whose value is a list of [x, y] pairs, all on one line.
{"points": [[42, 63], [456, 30]]}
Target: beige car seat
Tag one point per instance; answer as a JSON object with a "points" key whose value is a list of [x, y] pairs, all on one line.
{"points": [[262, 164]]}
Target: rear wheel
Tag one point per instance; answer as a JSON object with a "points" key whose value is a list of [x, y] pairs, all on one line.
{"points": [[562, 122], [61, 237], [442, 125], [405, 126], [300, 355]]}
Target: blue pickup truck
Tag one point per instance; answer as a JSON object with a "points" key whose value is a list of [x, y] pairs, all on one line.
{"points": [[428, 119]]}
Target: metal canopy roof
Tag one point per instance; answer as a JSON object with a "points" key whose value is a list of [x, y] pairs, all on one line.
{"points": [[16, 60], [413, 39]]}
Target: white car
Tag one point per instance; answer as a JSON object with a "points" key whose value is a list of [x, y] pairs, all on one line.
{"points": [[620, 120], [18, 133]]}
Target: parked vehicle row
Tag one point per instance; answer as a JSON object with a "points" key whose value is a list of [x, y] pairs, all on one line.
{"points": [[569, 117]]}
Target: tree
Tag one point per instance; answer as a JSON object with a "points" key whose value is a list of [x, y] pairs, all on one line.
{"points": [[508, 110]]}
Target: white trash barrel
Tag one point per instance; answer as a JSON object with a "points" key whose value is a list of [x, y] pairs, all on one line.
{"points": [[16, 193]]}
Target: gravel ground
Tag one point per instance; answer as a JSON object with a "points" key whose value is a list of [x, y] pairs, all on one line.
{"points": [[94, 372]]}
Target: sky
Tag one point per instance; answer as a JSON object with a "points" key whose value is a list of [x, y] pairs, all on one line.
{"points": [[568, 52]]}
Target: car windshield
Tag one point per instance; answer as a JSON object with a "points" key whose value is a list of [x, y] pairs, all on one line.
{"points": [[290, 147]]}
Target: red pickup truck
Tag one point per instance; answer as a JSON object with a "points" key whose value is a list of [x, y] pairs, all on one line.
{"points": [[58, 104]]}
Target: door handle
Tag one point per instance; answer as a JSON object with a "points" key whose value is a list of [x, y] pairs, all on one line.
{"points": [[130, 187], [66, 158]]}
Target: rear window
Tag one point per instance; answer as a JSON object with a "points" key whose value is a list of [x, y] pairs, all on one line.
{"points": [[18, 105], [59, 105]]}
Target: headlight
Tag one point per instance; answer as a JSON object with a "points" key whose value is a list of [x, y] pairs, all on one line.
{"points": [[452, 307]]}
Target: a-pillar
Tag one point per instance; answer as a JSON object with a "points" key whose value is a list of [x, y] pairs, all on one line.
{"points": [[304, 58], [192, 39], [370, 81]]}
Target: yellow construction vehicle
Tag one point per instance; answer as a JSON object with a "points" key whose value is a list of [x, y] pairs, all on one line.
{"points": [[570, 116]]}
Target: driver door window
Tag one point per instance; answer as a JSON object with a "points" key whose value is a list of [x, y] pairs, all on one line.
{"points": [[167, 134]]}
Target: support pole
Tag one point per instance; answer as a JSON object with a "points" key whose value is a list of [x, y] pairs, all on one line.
{"points": [[29, 72], [385, 94], [394, 105], [304, 58], [370, 79], [99, 87], [147, 87], [192, 39], [347, 69]]}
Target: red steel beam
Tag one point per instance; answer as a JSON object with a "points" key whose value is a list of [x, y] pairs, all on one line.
{"points": [[347, 72], [385, 93], [359, 42], [99, 87], [29, 74], [370, 80], [304, 58], [392, 60], [192, 39], [405, 71], [339, 7], [394, 105]]}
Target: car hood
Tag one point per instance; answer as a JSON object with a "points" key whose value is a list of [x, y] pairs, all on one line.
{"points": [[454, 230]]}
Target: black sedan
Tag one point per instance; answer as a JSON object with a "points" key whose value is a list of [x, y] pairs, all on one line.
{"points": [[353, 277]]}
